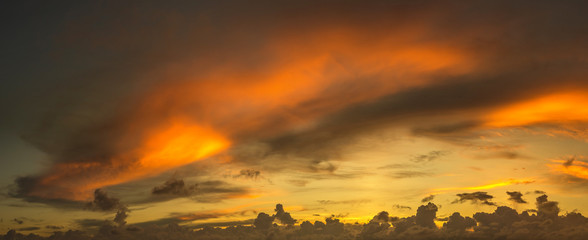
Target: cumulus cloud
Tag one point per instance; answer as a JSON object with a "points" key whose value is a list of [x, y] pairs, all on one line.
{"points": [[426, 215], [502, 223], [476, 198], [547, 208], [283, 216]]}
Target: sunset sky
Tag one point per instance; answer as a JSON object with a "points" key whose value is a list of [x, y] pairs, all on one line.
{"points": [[210, 112]]}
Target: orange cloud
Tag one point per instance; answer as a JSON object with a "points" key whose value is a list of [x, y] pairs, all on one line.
{"points": [[577, 169], [171, 146], [197, 114], [553, 108]]}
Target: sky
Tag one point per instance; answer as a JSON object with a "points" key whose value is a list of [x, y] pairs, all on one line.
{"points": [[211, 112]]}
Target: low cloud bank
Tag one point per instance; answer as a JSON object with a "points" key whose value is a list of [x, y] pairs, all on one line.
{"points": [[545, 222]]}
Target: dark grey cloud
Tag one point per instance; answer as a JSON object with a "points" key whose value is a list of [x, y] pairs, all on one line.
{"points": [[458, 223], [283, 216], [28, 229], [524, 48], [248, 173], [103, 202], [547, 208], [175, 187], [205, 191], [569, 162], [516, 197], [263, 221], [428, 198], [54, 227], [476, 198], [502, 223], [401, 207], [426, 215], [90, 223], [121, 216]]}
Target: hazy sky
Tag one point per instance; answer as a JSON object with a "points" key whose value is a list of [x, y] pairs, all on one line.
{"points": [[211, 112]]}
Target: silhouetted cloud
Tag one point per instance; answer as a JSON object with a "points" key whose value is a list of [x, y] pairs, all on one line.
{"points": [[248, 173], [547, 208], [175, 186], [503, 223], [402, 207], [53, 227], [282, 216], [103, 202], [426, 215], [121, 216], [428, 198], [475, 197], [516, 197]]}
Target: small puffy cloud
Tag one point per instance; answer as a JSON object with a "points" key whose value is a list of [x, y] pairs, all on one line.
{"points": [[516, 197], [401, 207], [476, 198]]}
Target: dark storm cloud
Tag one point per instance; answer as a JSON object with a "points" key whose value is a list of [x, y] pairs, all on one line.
{"points": [[516, 197], [476, 198], [114, 55]]}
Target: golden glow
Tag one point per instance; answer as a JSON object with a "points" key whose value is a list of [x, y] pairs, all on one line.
{"points": [[561, 107], [576, 169], [180, 144], [197, 114], [175, 145], [501, 183]]}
